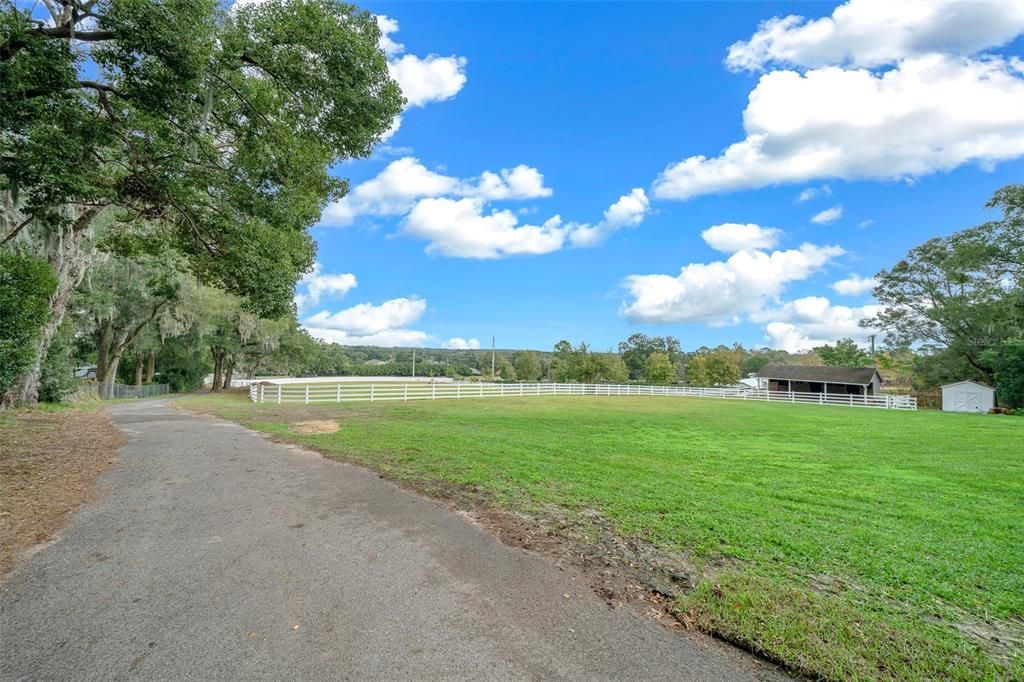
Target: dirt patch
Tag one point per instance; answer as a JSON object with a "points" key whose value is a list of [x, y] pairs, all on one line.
{"points": [[317, 426], [49, 462]]}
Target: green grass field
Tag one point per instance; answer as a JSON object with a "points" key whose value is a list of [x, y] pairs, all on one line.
{"points": [[862, 543]]}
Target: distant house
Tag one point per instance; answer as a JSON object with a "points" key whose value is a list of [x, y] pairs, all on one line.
{"points": [[968, 396], [822, 379]]}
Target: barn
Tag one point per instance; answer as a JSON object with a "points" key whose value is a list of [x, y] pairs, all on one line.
{"points": [[822, 379], [968, 396]]}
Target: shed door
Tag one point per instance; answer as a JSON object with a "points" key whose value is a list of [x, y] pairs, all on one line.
{"points": [[967, 400]]}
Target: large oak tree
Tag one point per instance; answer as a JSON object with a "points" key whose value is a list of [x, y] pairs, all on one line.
{"points": [[205, 131]]}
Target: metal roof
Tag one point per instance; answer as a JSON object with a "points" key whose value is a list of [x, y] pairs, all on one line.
{"points": [[860, 376]]}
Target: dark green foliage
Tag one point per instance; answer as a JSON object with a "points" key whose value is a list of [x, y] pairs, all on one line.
{"points": [[58, 378], [637, 348], [964, 292], [206, 130], [717, 368], [1007, 360], [845, 353], [26, 285]]}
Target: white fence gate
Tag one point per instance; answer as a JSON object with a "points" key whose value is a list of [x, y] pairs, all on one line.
{"points": [[322, 392]]}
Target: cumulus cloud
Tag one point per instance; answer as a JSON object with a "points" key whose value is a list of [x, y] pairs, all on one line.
{"points": [[733, 237], [458, 343], [855, 285], [811, 321], [387, 339], [927, 114], [811, 192], [318, 283], [454, 215], [462, 228], [629, 211], [721, 291], [422, 79], [367, 324], [395, 190], [367, 318], [872, 33], [829, 215]]}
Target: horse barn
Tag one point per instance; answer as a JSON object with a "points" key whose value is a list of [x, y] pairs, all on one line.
{"points": [[822, 379]]}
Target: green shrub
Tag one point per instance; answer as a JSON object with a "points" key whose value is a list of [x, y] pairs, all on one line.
{"points": [[26, 285], [58, 381]]}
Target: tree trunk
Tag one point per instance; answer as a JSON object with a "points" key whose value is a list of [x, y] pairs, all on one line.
{"points": [[218, 370], [150, 366], [104, 340], [229, 373], [138, 369]]}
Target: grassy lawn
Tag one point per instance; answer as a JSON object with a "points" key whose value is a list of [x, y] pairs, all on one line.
{"points": [[858, 543]]}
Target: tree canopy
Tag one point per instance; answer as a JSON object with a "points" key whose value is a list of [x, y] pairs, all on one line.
{"points": [[204, 131]]}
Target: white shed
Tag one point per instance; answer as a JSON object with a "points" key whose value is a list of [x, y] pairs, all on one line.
{"points": [[968, 396]]}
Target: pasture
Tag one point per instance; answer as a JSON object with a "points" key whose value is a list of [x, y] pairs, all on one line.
{"points": [[843, 543]]}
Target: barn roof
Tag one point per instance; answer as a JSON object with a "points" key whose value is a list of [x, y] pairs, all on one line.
{"points": [[834, 375]]}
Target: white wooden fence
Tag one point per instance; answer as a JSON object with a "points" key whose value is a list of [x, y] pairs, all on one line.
{"points": [[341, 392]]}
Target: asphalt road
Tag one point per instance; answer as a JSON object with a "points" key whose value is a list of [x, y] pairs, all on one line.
{"points": [[213, 553]]}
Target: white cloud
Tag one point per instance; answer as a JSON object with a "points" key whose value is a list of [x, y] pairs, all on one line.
{"points": [[387, 26], [387, 339], [829, 215], [428, 79], [855, 285], [720, 291], [367, 324], [464, 228], [395, 190], [317, 283], [872, 33], [453, 213], [367, 318], [811, 192], [811, 321], [866, 223], [422, 79], [461, 228], [459, 343], [733, 237], [927, 114], [629, 211], [521, 182]]}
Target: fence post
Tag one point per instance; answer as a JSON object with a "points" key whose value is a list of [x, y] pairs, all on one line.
{"points": [[458, 390], [481, 389], [851, 400], [279, 394], [405, 392], [307, 394], [371, 393], [339, 393], [433, 391]]}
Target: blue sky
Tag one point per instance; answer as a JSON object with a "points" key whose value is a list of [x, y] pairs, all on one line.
{"points": [[905, 119]]}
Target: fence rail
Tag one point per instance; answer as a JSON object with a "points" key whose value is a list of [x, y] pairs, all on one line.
{"points": [[340, 392], [114, 391]]}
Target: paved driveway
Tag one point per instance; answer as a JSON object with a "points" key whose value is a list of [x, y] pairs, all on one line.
{"points": [[213, 553]]}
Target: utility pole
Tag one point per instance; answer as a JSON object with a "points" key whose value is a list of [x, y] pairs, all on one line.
{"points": [[413, 363], [872, 337], [492, 356]]}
